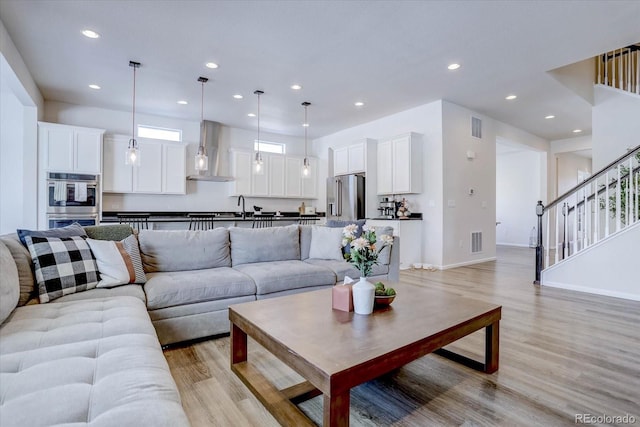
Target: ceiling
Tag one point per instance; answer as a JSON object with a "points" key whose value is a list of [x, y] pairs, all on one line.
{"points": [[391, 55]]}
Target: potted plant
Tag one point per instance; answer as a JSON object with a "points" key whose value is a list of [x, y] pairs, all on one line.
{"points": [[363, 254]]}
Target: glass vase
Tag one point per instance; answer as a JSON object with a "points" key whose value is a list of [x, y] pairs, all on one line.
{"points": [[363, 296]]}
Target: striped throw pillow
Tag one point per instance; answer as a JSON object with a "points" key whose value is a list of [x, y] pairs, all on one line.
{"points": [[63, 265], [119, 263]]}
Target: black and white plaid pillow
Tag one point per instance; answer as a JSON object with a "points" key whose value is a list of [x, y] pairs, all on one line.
{"points": [[63, 265]]}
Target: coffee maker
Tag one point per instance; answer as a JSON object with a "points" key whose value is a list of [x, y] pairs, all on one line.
{"points": [[387, 208]]}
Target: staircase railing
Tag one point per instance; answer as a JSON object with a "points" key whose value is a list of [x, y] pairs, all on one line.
{"points": [[604, 204], [620, 69]]}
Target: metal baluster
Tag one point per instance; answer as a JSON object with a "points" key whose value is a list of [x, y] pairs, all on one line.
{"points": [[618, 207], [606, 205], [547, 242]]}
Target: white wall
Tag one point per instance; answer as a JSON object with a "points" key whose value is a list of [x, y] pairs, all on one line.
{"points": [[18, 153], [475, 212], [568, 166], [519, 186], [201, 196], [615, 124], [606, 268]]}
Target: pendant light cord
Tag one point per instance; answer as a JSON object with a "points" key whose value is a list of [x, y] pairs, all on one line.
{"points": [[133, 115], [306, 126], [258, 156]]}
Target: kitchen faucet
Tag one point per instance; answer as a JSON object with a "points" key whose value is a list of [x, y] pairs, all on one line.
{"points": [[244, 214]]}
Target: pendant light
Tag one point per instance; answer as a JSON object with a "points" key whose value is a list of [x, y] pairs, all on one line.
{"points": [[202, 161], [133, 154], [306, 167], [258, 164]]}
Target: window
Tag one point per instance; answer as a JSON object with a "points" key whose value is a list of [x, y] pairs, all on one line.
{"points": [[269, 147], [145, 131]]}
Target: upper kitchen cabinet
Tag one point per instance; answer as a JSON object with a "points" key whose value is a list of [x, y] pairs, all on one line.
{"points": [[66, 148], [162, 167], [350, 159], [399, 161], [282, 177]]}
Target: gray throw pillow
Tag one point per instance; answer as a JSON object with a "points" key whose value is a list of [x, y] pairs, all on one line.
{"points": [[74, 229], [326, 243]]}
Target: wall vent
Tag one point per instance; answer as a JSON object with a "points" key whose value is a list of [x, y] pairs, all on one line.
{"points": [[476, 242], [476, 127]]}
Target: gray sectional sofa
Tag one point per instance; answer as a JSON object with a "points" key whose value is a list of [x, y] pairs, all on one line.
{"points": [[95, 357]]}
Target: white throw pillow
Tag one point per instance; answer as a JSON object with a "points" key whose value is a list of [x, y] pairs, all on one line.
{"points": [[119, 263], [326, 243]]}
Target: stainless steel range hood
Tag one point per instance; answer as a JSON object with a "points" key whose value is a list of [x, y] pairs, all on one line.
{"points": [[209, 134]]}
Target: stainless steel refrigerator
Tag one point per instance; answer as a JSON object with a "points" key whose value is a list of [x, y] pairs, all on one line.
{"points": [[345, 197]]}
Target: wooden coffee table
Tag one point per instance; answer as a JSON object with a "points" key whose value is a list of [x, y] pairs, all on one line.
{"points": [[335, 351]]}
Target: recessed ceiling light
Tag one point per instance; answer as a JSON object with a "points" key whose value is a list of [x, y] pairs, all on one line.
{"points": [[91, 34], [96, 87], [358, 104], [305, 125], [550, 116], [211, 65], [453, 66], [238, 96], [577, 130], [251, 115], [182, 102], [510, 97], [296, 87]]}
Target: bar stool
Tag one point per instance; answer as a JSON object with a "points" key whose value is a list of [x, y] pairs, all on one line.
{"points": [[307, 219], [262, 221], [137, 221], [201, 221]]}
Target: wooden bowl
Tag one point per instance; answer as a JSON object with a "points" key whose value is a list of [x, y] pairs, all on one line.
{"points": [[383, 300]]}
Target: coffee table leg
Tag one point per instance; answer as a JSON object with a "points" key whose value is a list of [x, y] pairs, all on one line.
{"points": [[238, 345], [336, 410], [492, 347]]}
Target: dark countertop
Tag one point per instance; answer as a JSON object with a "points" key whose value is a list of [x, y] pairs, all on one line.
{"points": [[110, 216], [414, 216]]}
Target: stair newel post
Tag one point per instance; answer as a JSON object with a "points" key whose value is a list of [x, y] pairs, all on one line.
{"points": [[539, 246]]}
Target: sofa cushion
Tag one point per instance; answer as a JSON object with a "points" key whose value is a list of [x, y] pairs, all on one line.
{"points": [[9, 283], [276, 276], [74, 229], [184, 250], [264, 244], [62, 265], [97, 293], [95, 363], [384, 257], [22, 258], [326, 243], [168, 289], [305, 241], [119, 263], [344, 268]]}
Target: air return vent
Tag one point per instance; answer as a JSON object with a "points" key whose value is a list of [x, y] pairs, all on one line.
{"points": [[476, 127], [476, 242]]}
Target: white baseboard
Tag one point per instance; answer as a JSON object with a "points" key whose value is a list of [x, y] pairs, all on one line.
{"points": [[586, 289], [465, 263], [517, 245]]}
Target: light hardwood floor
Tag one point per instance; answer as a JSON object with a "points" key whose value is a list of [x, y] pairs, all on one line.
{"points": [[562, 353]]}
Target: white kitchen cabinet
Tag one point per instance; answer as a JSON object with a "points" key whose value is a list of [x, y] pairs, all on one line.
{"points": [[162, 167], [349, 159], [70, 148], [276, 175], [399, 165], [410, 235], [241, 165], [175, 169], [310, 183], [117, 177], [292, 182], [282, 176]]}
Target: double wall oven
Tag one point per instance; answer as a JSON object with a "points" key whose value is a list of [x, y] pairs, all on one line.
{"points": [[72, 197]]}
